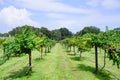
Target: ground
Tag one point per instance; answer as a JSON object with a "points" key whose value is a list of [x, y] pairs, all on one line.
{"points": [[58, 65]]}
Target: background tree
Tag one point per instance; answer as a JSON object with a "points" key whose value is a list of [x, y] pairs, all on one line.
{"points": [[117, 28], [60, 34], [65, 33], [56, 35], [89, 29], [46, 32]]}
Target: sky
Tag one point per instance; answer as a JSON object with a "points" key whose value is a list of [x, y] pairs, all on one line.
{"points": [[54, 14]]}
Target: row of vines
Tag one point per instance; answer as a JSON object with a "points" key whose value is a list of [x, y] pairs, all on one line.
{"points": [[24, 43], [109, 41]]}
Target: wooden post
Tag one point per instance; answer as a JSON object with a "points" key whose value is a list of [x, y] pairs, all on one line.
{"points": [[30, 60], [96, 59]]}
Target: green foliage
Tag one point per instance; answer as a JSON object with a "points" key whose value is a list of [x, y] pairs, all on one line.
{"points": [[57, 34], [113, 46], [18, 30], [65, 33], [89, 29], [43, 42], [66, 64], [109, 41], [8, 46], [45, 31], [25, 40], [22, 43], [83, 43], [60, 34]]}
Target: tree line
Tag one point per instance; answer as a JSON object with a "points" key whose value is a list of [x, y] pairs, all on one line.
{"points": [[57, 34]]}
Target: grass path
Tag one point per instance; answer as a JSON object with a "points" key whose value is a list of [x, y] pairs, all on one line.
{"points": [[57, 65]]}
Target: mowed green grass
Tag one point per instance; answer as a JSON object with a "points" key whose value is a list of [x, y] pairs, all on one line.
{"points": [[58, 65]]}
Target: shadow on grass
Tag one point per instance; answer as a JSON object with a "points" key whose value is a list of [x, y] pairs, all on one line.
{"points": [[71, 54], [102, 75], [68, 51], [38, 59], [21, 73], [76, 58]]}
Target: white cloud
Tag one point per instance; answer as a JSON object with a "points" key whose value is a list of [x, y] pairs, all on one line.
{"points": [[111, 4], [1, 2], [56, 15], [11, 17], [49, 5], [60, 14], [77, 24], [94, 3], [66, 23]]}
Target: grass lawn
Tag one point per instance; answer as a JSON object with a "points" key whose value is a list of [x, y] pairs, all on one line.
{"points": [[58, 65]]}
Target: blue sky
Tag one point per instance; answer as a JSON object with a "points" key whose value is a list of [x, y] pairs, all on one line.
{"points": [[54, 14]]}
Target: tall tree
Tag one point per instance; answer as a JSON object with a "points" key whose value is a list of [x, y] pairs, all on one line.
{"points": [[60, 34], [46, 32], [117, 28], [89, 29], [56, 34], [26, 42], [65, 33]]}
